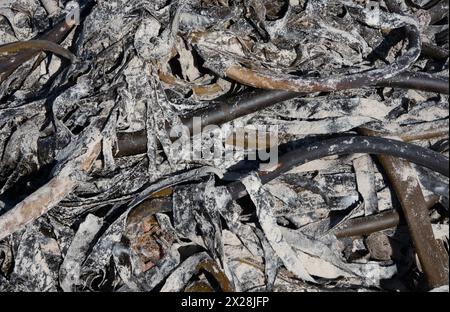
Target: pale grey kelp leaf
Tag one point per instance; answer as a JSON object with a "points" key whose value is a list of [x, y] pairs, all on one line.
{"points": [[250, 236], [78, 251], [37, 259], [315, 257], [268, 223], [194, 220], [182, 274], [19, 156], [99, 264], [324, 257]]}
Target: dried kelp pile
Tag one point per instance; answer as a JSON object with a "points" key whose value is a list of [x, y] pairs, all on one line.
{"points": [[97, 193]]}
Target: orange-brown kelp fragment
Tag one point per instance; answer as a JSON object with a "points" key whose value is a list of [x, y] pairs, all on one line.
{"points": [[147, 238]]}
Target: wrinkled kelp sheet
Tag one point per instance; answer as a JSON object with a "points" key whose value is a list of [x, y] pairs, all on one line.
{"points": [[89, 213]]}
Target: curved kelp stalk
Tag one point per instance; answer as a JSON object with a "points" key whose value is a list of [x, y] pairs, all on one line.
{"points": [[266, 80]]}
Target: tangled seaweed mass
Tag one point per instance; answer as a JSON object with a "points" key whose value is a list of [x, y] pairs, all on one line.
{"points": [[224, 145]]}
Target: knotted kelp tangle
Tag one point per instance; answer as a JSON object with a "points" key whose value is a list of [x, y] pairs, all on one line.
{"points": [[224, 145]]}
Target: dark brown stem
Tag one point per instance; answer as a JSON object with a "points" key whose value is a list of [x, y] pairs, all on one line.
{"points": [[368, 225], [14, 48], [217, 113], [410, 196], [56, 35], [434, 52]]}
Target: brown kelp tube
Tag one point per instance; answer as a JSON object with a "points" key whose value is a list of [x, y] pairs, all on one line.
{"points": [[11, 49], [14, 54], [264, 80]]}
